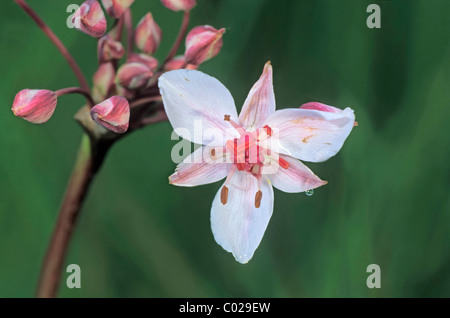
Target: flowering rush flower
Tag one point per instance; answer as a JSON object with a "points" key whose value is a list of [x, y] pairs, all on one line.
{"points": [[260, 148]]}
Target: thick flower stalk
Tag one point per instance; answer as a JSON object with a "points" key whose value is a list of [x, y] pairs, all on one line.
{"points": [[123, 99], [256, 150]]}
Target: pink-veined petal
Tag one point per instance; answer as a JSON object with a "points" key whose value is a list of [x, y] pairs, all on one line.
{"points": [[203, 166], [196, 105], [311, 135], [324, 108], [321, 107], [238, 226], [295, 178], [260, 102]]}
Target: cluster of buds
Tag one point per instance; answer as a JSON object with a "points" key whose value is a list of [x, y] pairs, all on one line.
{"points": [[124, 95]]}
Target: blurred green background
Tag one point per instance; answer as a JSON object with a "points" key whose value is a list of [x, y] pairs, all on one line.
{"points": [[387, 201]]}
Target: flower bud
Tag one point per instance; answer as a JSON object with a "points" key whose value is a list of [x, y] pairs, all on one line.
{"points": [[148, 60], [109, 49], [34, 105], [134, 75], [179, 5], [178, 62], [203, 43], [90, 19], [148, 34], [113, 114], [103, 81], [116, 8]]}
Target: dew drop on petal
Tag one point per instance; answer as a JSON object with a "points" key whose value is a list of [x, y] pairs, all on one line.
{"points": [[309, 192]]}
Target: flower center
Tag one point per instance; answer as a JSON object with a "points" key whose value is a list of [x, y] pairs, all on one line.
{"points": [[248, 153]]}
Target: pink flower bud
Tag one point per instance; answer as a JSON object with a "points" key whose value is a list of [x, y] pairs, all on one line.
{"points": [[109, 49], [134, 75], [148, 34], [90, 19], [113, 114], [148, 60], [116, 8], [179, 5], [103, 81], [178, 62], [34, 105], [203, 43]]}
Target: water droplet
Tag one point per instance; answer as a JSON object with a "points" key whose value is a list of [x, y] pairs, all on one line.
{"points": [[309, 192]]}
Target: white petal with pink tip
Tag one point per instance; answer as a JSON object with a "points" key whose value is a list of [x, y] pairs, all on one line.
{"points": [[296, 178], [200, 168], [260, 102], [311, 135]]}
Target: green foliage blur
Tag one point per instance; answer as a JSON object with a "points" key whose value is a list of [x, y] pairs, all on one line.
{"points": [[387, 201]]}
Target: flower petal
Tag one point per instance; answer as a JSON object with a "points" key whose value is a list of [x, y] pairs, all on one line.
{"points": [[260, 102], [311, 135], [196, 105], [203, 166], [324, 108], [295, 178], [321, 107], [238, 226]]}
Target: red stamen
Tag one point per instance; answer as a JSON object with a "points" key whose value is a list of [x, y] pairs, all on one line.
{"points": [[235, 150], [283, 163], [268, 130], [247, 147]]}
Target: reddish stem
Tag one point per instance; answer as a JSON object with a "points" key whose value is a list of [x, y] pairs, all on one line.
{"points": [[179, 39], [158, 116], [90, 158], [57, 42], [130, 31], [119, 27], [73, 199], [76, 90], [145, 100]]}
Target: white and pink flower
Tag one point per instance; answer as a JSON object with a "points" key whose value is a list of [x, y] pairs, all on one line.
{"points": [[260, 151]]}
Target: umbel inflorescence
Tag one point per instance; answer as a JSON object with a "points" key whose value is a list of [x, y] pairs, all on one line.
{"points": [[257, 150], [124, 95]]}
